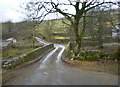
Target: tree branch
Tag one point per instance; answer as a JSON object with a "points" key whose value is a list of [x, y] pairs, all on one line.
{"points": [[66, 23]]}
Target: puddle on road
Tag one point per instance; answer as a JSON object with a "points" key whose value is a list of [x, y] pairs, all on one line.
{"points": [[60, 54], [49, 55], [45, 73], [43, 66]]}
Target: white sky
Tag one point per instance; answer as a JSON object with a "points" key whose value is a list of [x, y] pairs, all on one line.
{"points": [[8, 10]]}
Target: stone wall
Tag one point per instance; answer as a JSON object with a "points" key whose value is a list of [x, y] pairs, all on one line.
{"points": [[37, 53]]}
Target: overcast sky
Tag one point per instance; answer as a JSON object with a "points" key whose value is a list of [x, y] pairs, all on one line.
{"points": [[8, 10]]}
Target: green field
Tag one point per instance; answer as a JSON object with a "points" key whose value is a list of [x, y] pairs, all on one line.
{"points": [[60, 37]]}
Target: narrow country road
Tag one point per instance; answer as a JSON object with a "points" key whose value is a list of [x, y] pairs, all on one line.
{"points": [[51, 71]]}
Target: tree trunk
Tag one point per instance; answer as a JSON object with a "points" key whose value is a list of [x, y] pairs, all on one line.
{"points": [[77, 34], [81, 37]]}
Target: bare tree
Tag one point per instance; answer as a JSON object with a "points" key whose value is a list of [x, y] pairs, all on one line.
{"points": [[104, 16], [40, 9]]}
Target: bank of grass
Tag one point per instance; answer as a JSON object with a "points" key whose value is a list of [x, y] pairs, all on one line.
{"points": [[103, 65], [105, 60], [19, 48], [13, 52], [97, 66]]}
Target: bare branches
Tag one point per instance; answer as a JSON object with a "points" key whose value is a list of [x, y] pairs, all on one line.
{"points": [[77, 6], [93, 7], [65, 23], [91, 3], [71, 3], [40, 9]]}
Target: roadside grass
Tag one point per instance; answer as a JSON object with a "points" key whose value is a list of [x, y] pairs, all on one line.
{"points": [[19, 48], [98, 66], [99, 61], [92, 53], [13, 52]]}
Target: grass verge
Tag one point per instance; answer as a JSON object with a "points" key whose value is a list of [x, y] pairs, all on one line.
{"points": [[107, 66], [98, 66]]}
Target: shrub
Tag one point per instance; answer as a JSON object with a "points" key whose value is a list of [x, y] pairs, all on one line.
{"points": [[117, 55], [89, 55], [107, 56]]}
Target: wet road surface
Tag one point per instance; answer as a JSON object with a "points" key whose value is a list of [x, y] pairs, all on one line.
{"points": [[51, 71]]}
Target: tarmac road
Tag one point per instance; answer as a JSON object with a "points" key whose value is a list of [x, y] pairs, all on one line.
{"points": [[51, 71]]}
